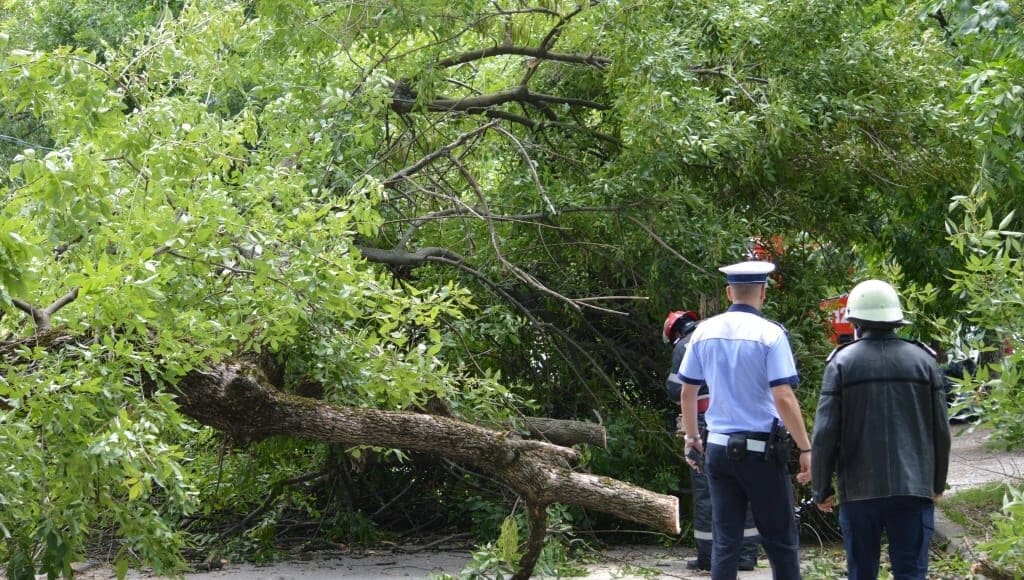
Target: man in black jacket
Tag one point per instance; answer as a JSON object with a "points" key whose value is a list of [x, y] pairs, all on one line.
{"points": [[881, 427]]}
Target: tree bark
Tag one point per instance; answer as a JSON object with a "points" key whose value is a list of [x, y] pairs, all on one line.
{"points": [[241, 399], [237, 399], [564, 432], [537, 516]]}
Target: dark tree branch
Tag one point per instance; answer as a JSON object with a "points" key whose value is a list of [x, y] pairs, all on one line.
{"points": [[944, 25], [62, 302], [426, 160], [400, 257], [518, 272], [541, 53], [41, 316], [513, 117], [405, 102], [549, 41], [668, 247], [537, 517]]}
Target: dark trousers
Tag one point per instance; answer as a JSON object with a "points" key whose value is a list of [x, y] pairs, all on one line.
{"points": [[908, 522], [768, 489], [702, 519]]}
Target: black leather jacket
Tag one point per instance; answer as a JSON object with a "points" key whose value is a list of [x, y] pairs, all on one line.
{"points": [[881, 424]]}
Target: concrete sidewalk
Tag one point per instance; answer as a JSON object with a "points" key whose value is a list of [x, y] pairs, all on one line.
{"points": [[653, 562], [973, 463]]}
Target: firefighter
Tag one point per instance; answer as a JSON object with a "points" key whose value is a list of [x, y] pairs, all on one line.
{"points": [[679, 325], [881, 426], [747, 362]]}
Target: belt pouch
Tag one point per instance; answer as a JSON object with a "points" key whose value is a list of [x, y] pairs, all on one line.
{"points": [[737, 446]]}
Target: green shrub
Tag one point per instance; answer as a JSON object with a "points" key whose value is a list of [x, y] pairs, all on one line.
{"points": [[1006, 548]]}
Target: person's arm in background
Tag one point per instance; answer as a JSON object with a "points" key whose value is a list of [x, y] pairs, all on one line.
{"points": [[827, 430], [688, 404], [788, 407], [941, 438], [674, 388], [692, 376]]}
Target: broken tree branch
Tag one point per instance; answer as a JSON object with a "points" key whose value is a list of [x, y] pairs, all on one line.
{"points": [[426, 160], [236, 398], [505, 49], [405, 102], [42, 316]]}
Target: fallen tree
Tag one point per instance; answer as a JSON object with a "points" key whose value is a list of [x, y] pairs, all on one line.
{"points": [[240, 399]]}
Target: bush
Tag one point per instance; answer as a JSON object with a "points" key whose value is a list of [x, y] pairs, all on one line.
{"points": [[1006, 548]]}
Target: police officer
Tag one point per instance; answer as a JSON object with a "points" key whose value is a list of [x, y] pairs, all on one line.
{"points": [[881, 425], [747, 362], [679, 326]]}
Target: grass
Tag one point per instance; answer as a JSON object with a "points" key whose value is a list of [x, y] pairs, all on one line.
{"points": [[829, 562], [972, 508]]}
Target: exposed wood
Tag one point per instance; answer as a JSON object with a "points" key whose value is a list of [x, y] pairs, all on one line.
{"points": [[564, 432], [236, 399], [240, 399]]}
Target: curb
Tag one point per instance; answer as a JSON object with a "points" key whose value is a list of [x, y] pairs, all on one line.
{"points": [[952, 534]]}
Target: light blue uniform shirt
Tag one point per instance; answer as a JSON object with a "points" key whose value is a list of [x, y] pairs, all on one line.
{"points": [[740, 355]]}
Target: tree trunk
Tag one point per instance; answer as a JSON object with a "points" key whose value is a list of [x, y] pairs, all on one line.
{"points": [[241, 398], [563, 432], [237, 399]]}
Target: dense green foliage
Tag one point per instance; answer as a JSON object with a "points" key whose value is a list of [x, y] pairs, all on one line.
{"points": [[349, 189]]}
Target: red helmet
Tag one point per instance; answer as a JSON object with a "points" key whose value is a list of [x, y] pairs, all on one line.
{"points": [[683, 318]]}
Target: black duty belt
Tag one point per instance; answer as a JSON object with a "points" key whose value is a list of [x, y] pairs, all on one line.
{"points": [[753, 443]]}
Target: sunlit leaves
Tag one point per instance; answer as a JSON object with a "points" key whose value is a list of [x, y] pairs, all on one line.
{"points": [[207, 182], [193, 214]]}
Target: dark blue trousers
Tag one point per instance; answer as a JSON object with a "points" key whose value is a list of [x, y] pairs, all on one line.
{"points": [[768, 489], [908, 522], [702, 521]]}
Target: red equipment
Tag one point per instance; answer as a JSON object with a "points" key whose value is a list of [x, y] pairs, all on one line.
{"points": [[840, 329]]}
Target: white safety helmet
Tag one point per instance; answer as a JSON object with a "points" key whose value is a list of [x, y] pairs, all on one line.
{"points": [[875, 301]]}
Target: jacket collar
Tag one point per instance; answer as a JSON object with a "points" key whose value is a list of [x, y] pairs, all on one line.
{"points": [[745, 308], [878, 333]]}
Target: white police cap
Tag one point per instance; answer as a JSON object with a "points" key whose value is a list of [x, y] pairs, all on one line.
{"points": [[749, 272]]}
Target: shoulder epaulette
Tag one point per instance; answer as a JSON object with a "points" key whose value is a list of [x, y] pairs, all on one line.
{"points": [[779, 324], [839, 348], [926, 348]]}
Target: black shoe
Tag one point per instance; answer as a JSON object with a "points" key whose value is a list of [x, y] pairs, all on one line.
{"points": [[699, 564], [748, 566]]}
